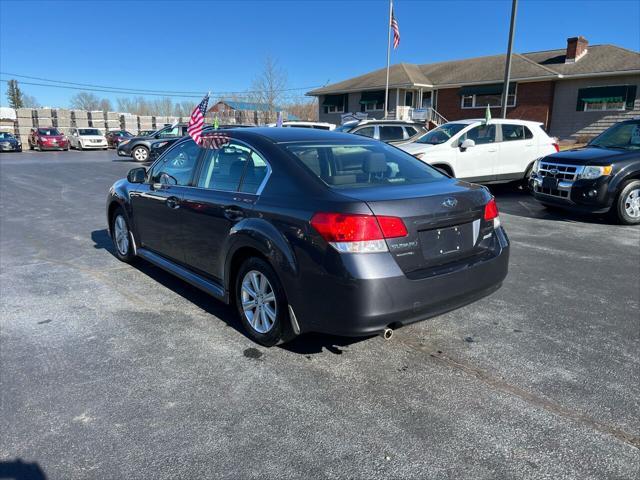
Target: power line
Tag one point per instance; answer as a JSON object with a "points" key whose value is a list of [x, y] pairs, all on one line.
{"points": [[135, 91]]}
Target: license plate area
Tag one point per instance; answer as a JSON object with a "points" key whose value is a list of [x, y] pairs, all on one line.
{"points": [[550, 183], [448, 243]]}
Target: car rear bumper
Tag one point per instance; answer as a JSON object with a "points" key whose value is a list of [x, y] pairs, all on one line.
{"points": [[373, 293]]}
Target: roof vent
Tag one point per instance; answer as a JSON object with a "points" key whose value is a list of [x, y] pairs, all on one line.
{"points": [[576, 49]]}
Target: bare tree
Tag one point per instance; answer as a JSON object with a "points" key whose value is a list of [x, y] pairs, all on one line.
{"points": [[29, 101], [85, 101], [162, 106], [304, 109], [268, 87], [105, 105]]}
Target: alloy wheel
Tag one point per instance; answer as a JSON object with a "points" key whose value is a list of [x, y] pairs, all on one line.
{"points": [[140, 154], [258, 301], [632, 203], [121, 235]]}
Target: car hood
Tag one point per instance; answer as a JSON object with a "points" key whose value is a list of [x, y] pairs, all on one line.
{"points": [[592, 156], [91, 137], [415, 147]]}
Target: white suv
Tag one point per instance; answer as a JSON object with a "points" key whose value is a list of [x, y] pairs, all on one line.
{"points": [[502, 150]]}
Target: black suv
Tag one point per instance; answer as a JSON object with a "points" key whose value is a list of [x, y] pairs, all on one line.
{"points": [[307, 230], [138, 147], [602, 177]]}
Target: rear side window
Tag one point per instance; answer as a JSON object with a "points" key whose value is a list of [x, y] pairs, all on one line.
{"points": [[410, 131], [515, 132], [358, 166], [233, 168], [390, 133]]}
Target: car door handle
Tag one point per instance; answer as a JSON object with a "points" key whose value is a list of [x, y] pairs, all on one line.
{"points": [[233, 213], [494, 150], [173, 202]]}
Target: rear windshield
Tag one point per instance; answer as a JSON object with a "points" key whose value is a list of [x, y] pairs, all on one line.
{"points": [[48, 131], [366, 165], [88, 131]]}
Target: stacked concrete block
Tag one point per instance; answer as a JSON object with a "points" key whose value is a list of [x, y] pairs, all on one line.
{"points": [[146, 122], [24, 124], [97, 120], [129, 123], [62, 120], [161, 121], [44, 117], [79, 118]]}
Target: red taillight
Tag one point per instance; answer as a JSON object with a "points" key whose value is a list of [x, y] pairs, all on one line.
{"points": [[341, 227], [491, 210], [556, 146]]}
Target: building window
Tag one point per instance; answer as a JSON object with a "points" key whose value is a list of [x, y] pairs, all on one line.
{"points": [[372, 107], [408, 98], [334, 103], [481, 101], [611, 98], [334, 109]]}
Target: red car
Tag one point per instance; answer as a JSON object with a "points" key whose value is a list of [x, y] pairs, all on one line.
{"points": [[114, 138], [47, 138]]}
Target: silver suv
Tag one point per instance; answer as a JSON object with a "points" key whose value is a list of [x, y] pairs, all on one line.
{"points": [[389, 131]]}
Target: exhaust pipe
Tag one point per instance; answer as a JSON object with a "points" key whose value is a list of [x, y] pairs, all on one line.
{"points": [[387, 333]]}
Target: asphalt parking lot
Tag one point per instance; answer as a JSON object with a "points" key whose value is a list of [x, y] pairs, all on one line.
{"points": [[114, 371]]}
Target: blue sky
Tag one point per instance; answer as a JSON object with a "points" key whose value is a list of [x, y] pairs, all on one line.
{"points": [[219, 46]]}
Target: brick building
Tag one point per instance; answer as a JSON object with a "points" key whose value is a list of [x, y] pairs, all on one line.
{"points": [[575, 92]]}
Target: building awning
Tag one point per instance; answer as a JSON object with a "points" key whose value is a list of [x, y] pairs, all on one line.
{"points": [[608, 94], [372, 97], [333, 101], [493, 89]]}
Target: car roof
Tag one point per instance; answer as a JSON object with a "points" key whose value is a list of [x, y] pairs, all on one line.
{"points": [[402, 122], [289, 135], [514, 121]]}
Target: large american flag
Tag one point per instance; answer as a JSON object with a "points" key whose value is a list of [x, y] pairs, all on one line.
{"points": [[396, 30], [196, 122], [214, 140]]}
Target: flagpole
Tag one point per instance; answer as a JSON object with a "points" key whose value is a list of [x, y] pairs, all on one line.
{"points": [[386, 89]]}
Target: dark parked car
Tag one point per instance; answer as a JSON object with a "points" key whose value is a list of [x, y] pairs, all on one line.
{"points": [[138, 147], [602, 177], [9, 143], [389, 131], [48, 139], [306, 230], [115, 137]]}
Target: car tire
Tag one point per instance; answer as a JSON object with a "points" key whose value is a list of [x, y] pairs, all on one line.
{"points": [[121, 236], [140, 154], [267, 322], [626, 208], [79, 147]]}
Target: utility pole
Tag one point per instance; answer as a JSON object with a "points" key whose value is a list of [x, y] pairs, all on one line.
{"points": [[507, 68], [386, 89]]}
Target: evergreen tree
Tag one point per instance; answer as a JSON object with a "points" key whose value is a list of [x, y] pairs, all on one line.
{"points": [[14, 95]]}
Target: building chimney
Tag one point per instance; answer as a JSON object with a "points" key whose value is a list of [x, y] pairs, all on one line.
{"points": [[576, 49]]}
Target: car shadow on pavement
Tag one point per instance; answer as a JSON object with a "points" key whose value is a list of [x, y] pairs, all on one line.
{"points": [[19, 470], [306, 344], [514, 200]]}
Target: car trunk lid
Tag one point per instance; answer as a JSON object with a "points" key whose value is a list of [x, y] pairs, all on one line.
{"points": [[444, 220]]}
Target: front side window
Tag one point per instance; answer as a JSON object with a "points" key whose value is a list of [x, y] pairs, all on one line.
{"points": [[360, 166], [233, 168], [515, 132], [170, 132], [177, 165], [390, 133], [481, 134]]}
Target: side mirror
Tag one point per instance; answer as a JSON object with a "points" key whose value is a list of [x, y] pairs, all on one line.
{"points": [[137, 175], [468, 143]]}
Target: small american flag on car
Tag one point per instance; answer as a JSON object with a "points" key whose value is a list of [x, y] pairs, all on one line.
{"points": [[214, 140], [196, 122]]}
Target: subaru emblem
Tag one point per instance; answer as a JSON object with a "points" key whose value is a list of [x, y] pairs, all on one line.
{"points": [[450, 202]]}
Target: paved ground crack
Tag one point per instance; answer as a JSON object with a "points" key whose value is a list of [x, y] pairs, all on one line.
{"points": [[503, 386]]}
